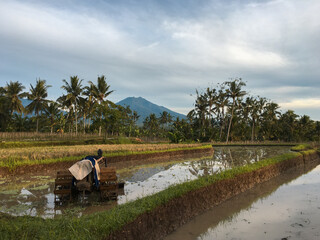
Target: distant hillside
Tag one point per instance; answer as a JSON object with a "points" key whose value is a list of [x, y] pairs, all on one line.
{"points": [[25, 102], [144, 108]]}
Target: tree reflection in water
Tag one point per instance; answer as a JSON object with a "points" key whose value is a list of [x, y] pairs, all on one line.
{"points": [[229, 157]]}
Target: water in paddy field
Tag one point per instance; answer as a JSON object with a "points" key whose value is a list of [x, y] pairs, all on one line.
{"points": [[149, 180], [285, 207], [33, 194]]}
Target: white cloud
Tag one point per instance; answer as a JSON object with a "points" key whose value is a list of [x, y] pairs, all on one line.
{"points": [[162, 52], [310, 103]]}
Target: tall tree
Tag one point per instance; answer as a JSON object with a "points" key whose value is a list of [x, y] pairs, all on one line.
{"points": [[88, 105], [4, 110], [202, 111], [151, 125], [234, 91], [211, 96], [165, 119], [221, 102], [288, 123], [252, 109], [100, 92], [73, 96], [13, 93], [38, 96], [52, 111], [270, 121]]}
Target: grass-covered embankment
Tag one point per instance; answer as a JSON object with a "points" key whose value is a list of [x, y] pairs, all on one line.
{"points": [[152, 216], [74, 142], [253, 144], [14, 158], [301, 147]]}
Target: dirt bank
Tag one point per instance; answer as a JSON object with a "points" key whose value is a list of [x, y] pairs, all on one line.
{"points": [[115, 161], [165, 219]]}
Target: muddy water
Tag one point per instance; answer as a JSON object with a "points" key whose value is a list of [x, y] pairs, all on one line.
{"points": [[33, 195], [286, 207], [148, 180]]}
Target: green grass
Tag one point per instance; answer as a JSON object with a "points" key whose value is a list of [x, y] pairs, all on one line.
{"points": [[24, 144], [100, 225], [301, 147], [125, 153], [253, 144], [13, 162], [45, 143]]}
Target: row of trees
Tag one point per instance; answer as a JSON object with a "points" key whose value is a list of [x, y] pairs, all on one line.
{"points": [[223, 113], [80, 108], [227, 113], [79, 104]]}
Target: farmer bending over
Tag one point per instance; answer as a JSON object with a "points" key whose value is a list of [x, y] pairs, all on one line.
{"points": [[90, 163]]}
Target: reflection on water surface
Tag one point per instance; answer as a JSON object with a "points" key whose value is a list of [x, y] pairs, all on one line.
{"points": [[33, 195], [285, 207]]}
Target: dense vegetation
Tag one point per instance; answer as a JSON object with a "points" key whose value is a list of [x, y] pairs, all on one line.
{"points": [[227, 113], [224, 113]]}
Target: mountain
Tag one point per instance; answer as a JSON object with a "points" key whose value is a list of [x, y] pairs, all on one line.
{"points": [[25, 102], [144, 108]]}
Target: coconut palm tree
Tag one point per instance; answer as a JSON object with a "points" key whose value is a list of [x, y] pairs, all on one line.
{"points": [[13, 94], [88, 105], [234, 91], [151, 125], [270, 120], [202, 111], [20, 122], [288, 123], [100, 92], [221, 102], [72, 98], [211, 96], [4, 110], [52, 111], [135, 117], [165, 119], [252, 110], [38, 96]]}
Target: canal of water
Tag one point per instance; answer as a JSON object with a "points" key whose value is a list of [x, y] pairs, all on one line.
{"points": [[285, 207]]}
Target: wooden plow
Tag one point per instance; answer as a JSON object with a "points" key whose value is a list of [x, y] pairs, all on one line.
{"points": [[66, 185]]}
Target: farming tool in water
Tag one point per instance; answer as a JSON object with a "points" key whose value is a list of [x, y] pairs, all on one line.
{"points": [[87, 176]]}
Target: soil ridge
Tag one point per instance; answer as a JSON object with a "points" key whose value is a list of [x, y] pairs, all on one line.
{"points": [[116, 161]]}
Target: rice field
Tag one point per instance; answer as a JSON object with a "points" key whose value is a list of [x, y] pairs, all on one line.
{"points": [[54, 152]]}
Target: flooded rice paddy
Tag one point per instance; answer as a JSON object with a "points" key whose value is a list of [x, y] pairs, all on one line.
{"points": [[33, 194], [285, 207]]}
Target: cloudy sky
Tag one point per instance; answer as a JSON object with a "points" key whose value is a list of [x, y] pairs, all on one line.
{"points": [[163, 50]]}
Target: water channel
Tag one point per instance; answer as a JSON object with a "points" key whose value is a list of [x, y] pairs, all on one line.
{"points": [[33, 194], [285, 207]]}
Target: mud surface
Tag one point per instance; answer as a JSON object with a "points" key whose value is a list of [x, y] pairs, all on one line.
{"points": [[32, 193]]}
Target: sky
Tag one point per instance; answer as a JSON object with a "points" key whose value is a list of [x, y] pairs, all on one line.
{"points": [[166, 49]]}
